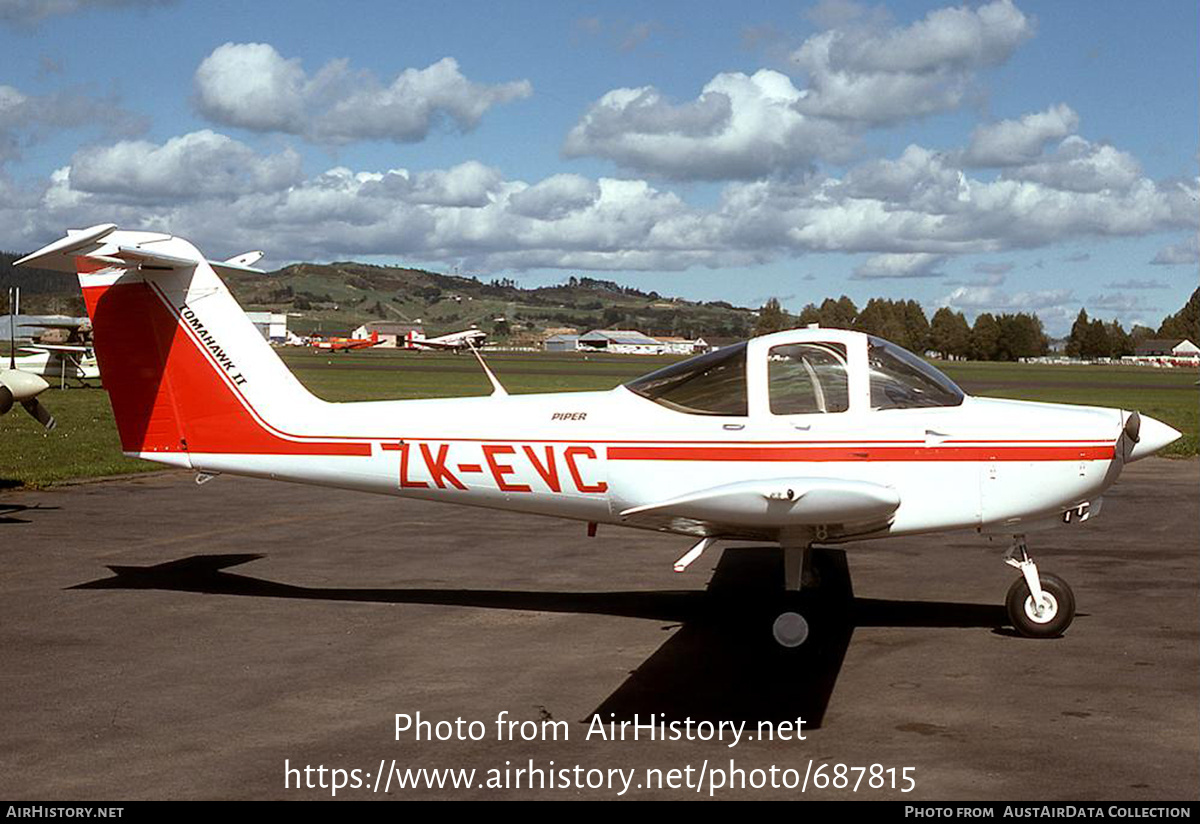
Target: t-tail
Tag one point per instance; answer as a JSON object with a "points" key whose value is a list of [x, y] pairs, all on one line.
{"points": [[187, 372]]}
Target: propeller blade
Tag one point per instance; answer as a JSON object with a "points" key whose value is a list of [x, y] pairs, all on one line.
{"points": [[1133, 427], [6, 399], [40, 413]]}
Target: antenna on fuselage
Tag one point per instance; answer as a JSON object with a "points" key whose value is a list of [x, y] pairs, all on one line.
{"points": [[498, 389]]}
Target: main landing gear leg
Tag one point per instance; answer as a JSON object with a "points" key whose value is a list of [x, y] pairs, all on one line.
{"points": [[790, 628], [1039, 605]]}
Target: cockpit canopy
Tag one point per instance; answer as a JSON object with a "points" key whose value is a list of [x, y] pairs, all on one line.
{"points": [[799, 372]]}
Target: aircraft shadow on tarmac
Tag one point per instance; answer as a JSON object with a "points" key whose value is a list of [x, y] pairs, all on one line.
{"points": [[721, 663], [8, 512]]}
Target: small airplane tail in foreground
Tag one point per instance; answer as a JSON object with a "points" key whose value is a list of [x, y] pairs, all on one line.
{"points": [[159, 310]]}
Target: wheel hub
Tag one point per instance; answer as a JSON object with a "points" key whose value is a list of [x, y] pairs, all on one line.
{"points": [[790, 629], [1044, 613]]}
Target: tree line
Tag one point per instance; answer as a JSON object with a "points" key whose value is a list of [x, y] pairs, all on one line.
{"points": [[1000, 337], [1093, 338], [991, 337]]}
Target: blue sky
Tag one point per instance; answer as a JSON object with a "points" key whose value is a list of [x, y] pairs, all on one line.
{"points": [[996, 156]]}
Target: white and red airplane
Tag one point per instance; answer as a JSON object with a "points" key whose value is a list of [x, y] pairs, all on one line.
{"points": [[809, 436], [455, 341]]}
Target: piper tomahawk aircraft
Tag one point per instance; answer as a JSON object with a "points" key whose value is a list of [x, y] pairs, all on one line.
{"points": [[810, 436]]}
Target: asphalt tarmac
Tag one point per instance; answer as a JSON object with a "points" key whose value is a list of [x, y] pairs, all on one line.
{"points": [[168, 641]]}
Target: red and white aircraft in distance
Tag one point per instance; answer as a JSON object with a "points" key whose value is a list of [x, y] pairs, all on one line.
{"points": [[345, 344], [809, 436], [454, 342]]}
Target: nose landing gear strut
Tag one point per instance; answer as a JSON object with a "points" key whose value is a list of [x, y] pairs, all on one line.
{"points": [[1039, 605]]}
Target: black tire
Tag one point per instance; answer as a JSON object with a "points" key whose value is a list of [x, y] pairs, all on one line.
{"points": [[1020, 608]]}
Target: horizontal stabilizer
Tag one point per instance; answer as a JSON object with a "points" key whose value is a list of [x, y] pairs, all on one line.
{"points": [[91, 244], [58, 255], [778, 503], [244, 261]]}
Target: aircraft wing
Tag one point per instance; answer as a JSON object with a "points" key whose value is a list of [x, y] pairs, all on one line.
{"points": [[56, 347], [763, 508], [60, 324]]}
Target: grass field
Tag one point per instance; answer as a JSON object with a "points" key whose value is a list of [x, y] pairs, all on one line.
{"points": [[85, 444]]}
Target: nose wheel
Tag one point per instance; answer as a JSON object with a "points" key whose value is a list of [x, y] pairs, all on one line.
{"points": [[1040, 605]]}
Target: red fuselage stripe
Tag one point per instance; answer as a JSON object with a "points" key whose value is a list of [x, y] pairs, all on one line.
{"points": [[865, 453]]}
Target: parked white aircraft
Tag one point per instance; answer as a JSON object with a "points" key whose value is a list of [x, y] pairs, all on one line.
{"points": [[60, 361], [809, 436], [455, 341]]}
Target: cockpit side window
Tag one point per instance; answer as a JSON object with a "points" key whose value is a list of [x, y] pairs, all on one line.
{"points": [[901, 380], [711, 384], [806, 378]]}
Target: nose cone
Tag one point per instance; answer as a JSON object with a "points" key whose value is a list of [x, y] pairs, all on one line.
{"points": [[23, 385], [1152, 436]]}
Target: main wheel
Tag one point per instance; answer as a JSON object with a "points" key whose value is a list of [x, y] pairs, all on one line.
{"points": [[1058, 607], [790, 630]]}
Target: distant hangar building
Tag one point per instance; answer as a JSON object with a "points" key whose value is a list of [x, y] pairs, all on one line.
{"points": [[620, 341], [561, 343], [391, 334], [271, 325], [624, 342]]}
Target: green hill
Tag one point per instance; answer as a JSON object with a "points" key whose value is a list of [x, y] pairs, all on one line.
{"points": [[334, 298]]}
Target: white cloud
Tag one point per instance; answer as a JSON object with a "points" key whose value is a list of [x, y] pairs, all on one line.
{"points": [[994, 274], [555, 197], [1015, 142], [467, 185], [29, 119], [1137, 284], [1080, 166], [918, 179], [991, 299], [1179, 254], [892, 265], [866, 72], [28, 12], [1118, 303], [908, 216], [252, 86], [740, 126], [863, 72], [197, 165]]}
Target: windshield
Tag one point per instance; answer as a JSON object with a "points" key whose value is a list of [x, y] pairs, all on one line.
{"points": [[901, 380], [711, 384]]}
